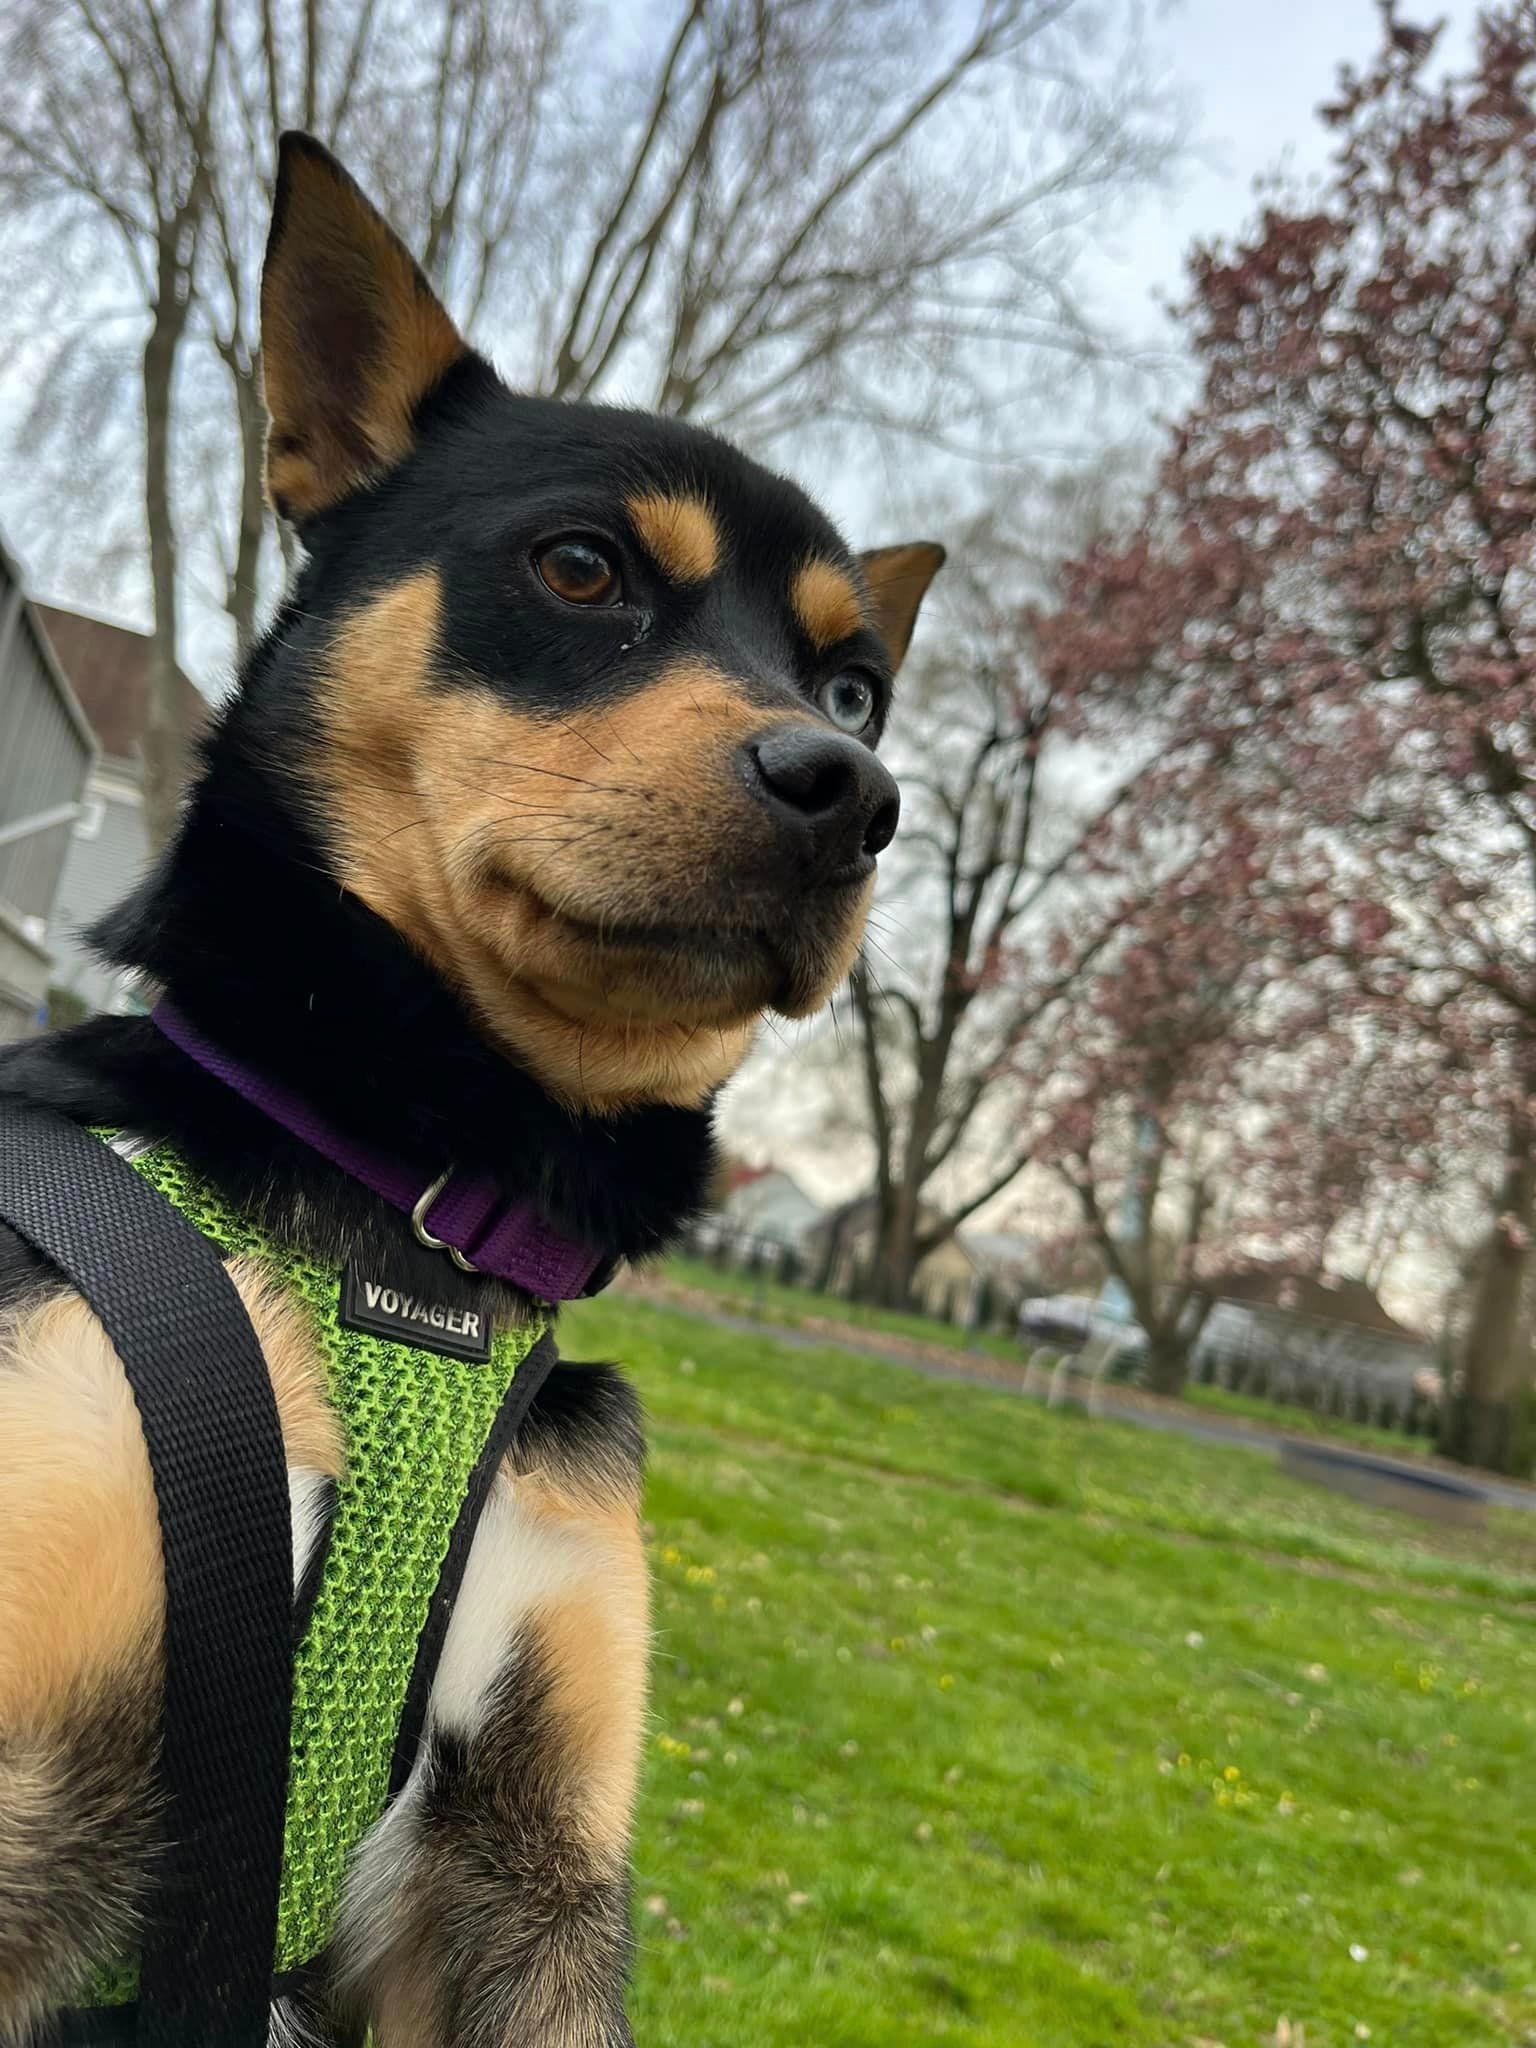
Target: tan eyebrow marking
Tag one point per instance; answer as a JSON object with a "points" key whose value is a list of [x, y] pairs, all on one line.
{"points": [[826, 602], [679, 534]]}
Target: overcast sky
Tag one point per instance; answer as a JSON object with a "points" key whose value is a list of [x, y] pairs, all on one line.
{"points": [[1257, 71]]}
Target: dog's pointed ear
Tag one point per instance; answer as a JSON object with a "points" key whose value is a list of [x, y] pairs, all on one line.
{"points": [[352, 336], [897, 579]]}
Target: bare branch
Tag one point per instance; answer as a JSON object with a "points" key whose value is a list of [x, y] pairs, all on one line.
{"points": [[567, 360]]}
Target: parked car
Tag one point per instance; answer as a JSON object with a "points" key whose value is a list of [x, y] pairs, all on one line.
{"points": [[1069, 1321]]}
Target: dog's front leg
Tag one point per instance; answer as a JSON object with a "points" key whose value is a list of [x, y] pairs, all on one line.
{"points": [[490, 1908], [82, 1612], [81, 1616]]}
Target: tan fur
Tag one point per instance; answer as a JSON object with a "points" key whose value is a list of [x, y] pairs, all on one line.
{"points": [[286, 1334], [336, 266], [897, 578], [679, 534], [401, 2001], [595, 1647], [826, 603], [77, 1826], [599, 1703], [81, 1592], [80, 1580], [498, 843]]}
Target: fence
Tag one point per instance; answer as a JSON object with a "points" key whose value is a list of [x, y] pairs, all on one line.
{"points": [[846, 1273], [1351, 1389]]}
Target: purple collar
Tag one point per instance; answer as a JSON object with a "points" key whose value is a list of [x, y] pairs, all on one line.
{"points": [[462, 1214]]}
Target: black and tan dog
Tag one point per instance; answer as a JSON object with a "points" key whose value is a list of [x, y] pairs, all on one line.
{"points": [[553, 774]]}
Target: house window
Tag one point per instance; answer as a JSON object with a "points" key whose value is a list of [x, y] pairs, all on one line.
{"points": [[93, 811]]}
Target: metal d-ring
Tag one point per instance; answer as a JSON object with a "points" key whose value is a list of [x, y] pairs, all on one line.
{"points": [[424, 1236]]}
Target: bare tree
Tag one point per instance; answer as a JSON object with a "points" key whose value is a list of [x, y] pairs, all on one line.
{"points": [[143, 133], [868, 212], [990, 860], [109, 117], [849, 215]]}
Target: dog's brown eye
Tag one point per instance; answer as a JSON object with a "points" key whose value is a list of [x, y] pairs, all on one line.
{"points": [[579, 572]]}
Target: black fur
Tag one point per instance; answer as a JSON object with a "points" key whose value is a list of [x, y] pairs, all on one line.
{"points": [[586, 1427]]}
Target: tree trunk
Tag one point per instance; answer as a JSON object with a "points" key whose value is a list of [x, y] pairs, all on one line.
{"points": [[242, 582], [899, 1226], [165, 738], [896, 1252], [1167, 1362], [1483, 1419], [824, 1271]]}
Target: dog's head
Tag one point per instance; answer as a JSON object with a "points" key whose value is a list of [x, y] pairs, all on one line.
{"points": [[592, 699]]}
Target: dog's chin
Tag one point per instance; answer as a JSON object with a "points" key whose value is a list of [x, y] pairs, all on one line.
{"points": [[610, 1005], [711, 974]]}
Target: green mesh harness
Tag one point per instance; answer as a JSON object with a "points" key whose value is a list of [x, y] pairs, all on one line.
{"points": [[414, 1425]]}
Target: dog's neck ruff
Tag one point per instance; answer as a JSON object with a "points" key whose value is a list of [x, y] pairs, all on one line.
{"points": [[463, 1214]]}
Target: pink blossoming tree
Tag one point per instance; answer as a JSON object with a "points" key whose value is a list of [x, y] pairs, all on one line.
{"points": [[1327, 619]]}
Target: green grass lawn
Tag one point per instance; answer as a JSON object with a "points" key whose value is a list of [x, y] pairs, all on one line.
{"points": [[978, 1723]]}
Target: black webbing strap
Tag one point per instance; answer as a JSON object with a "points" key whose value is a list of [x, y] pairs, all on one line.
{"points": [[210, 1426], [518, 1399]]}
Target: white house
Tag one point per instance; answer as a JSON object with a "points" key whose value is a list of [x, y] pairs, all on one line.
{"points": [[1310, 1324], [46, 754], [765, 1203], [107, 666]]}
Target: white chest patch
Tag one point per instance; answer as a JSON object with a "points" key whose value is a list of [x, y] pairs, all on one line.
{"points": [[519, 1562]]}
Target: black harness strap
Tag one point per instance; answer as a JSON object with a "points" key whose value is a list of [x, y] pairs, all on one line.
{"points": [[518, 1399], [210, 1426]]}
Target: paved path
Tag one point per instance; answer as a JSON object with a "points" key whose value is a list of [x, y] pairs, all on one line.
{"points": [[1174, 1419]]}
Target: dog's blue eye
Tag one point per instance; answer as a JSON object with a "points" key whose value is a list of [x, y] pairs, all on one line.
{"points": [[579, 572], [848, 700]]}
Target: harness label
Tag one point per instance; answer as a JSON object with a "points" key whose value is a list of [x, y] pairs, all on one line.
{"points": [[376, 1305]]}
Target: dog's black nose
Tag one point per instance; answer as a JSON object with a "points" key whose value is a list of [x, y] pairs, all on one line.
{"points": [[826, 789]]}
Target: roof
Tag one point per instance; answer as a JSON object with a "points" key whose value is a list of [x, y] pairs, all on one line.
{"points": [[1305, 1294], [13, 579], [108, 669]]}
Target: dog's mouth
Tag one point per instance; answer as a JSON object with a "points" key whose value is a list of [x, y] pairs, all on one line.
{"points": [[645, 983], [725, 971], [703, 941]]}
